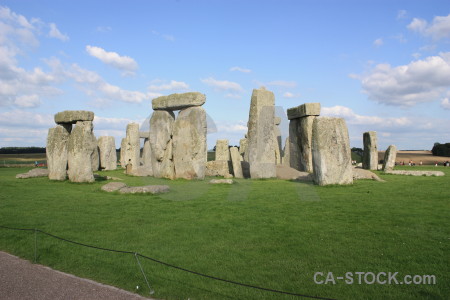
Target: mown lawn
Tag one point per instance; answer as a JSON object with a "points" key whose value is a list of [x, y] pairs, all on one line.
{"points": [[270, 233]]}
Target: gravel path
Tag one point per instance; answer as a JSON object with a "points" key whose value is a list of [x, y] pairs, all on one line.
{"points": [[20, 279]]}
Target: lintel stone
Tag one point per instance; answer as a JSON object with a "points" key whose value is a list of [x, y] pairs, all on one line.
{"points": [[304, 110], [178, 101], [73, 116]]}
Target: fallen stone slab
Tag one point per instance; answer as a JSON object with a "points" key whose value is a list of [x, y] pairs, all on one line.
{"points": [[113, 186], [304, 110], [218, 168], [73, 116], [416, 173], [287, 173], [178, 101], [33, 173], [221, 181], [365, 174], [146, 189]]}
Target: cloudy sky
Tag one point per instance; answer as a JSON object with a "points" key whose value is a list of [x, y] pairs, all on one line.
{"points": [[381, 65]]}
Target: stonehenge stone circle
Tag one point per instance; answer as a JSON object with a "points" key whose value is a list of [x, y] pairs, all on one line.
{"points": [[161, 126], [222, 151], [108, 154], [56, 152], [73, 116], [236, 162], [300, 135], [389, 158], [178, 101], [331, 152], [260, 147], [81, 149], [370, 155], [189, 143]]}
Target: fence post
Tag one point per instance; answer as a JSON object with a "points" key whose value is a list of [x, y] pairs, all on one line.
{"points": [[143, 273]]}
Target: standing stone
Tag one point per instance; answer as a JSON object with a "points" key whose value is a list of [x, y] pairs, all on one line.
{"points": [[56, 152], [285, 161], [294, 144], [305, 141], [222, 151], [389, 158], [80, 152], [108, 154], [123, 153], [370, 156], [277, 140], [161, 126], [189, 143], [236, 162], [147, 153], [332, 162], [133, 146], [95, 160], [260, 134], [242, 147]]}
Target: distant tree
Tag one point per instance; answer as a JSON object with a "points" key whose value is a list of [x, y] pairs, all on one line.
{"points": [[441, 149]]}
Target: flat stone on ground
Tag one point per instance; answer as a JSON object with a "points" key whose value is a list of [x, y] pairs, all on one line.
{"points": [[359, 173], [73, 116], [287, 173], [146, 189], [178, 101], [415, 173], [33, 173], [113, 186], [221, 181]]}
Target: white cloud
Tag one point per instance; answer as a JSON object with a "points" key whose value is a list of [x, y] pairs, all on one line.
{"points": [[239, 69], [290, 95], [28, 101], [167, 37], [55, 33], [223, 85], [378, 42], [123, 63], [445, 102], [172, 85], [438, 29], [420, 81], [22, 118]]}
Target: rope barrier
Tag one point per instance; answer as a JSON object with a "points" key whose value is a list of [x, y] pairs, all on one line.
{"points": [[135, 254]]}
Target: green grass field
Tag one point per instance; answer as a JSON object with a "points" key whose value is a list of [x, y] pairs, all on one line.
{"points": [[270, 233]]}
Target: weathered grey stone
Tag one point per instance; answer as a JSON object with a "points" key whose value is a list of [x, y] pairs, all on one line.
{"points": [[123, 153], [285, 160], [261, 134], [73, 116], [370, 156], [34, 173], [95, 159], [236, 162], [415, 173], [218, 168], [56, 152], [364, 174], [147, 189], [161, 126], [332, 162], [133, 146], [389, 158], [108, 154], [242, 147], [304, 110], [189, 143], [287, 173], [113, 186], [142, 171], [277, 143], [147, 157], [277, 121], [81, 149], [294, 144], [305, 140], [222, 151], [221, 181], [178, 101], [144, 134]]}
